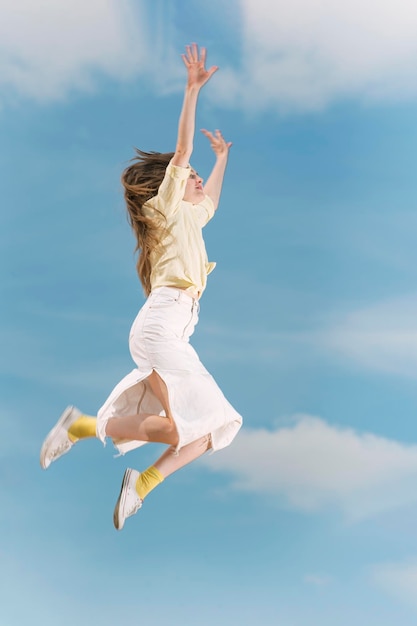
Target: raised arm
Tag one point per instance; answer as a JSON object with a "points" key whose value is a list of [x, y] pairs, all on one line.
{"points": [[214, 183], [197, 76]]}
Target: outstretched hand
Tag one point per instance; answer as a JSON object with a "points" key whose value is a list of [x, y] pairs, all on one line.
{"points": [[195, 62], [218, 144]]}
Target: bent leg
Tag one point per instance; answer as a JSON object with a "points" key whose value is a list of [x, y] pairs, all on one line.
{"points": [[169, 462], [142, 427], [147, 426]]}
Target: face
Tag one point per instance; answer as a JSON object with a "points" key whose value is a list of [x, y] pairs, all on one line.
{"points": [[194, 192]]}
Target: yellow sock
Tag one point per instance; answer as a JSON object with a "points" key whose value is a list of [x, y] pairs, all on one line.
{"points": [[83, 427], [148, 480]]}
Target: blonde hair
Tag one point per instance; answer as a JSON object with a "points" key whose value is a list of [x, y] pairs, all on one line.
{"points": [[141, 182]]}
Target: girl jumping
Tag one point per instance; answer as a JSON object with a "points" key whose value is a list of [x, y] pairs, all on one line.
{"points": [[169, 397]]}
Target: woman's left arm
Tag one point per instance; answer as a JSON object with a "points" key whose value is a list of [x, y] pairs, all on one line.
{"points": [[220, 147]]}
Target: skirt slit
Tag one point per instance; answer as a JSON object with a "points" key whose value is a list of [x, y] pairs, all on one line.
{"points": [[159, 342]]}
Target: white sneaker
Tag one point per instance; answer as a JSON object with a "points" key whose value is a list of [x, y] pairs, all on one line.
{"points": [[57, 441], [128, 502]]}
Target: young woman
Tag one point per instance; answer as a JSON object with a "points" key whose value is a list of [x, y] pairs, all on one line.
{"points": [[169, 397]]}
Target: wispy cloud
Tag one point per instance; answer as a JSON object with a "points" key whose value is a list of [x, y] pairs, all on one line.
{"points": [[382, 337], [313, 466], [50, 48], [306, 54], [298, 56], [398, 580]]}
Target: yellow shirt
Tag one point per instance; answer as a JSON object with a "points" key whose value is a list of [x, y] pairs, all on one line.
{"points": [[181, 259]]}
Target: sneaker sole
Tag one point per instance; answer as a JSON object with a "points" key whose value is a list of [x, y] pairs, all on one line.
{"points": [[121, 500], [63, 421]]}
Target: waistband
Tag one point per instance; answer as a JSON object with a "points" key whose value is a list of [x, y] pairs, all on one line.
{"points": [[180, 294]]}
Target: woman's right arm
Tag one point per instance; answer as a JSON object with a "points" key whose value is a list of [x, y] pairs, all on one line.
{"points": [[197, 76]]}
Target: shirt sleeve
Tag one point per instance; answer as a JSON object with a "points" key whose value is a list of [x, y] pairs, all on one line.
{"points": [[204, 211], [172, 189]]}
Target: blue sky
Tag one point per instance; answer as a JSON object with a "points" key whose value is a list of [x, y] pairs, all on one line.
{"points": [[308, 322]]}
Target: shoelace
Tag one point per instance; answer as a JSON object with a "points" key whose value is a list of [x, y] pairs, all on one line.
{"points": [[63, 447], [135, 507]]}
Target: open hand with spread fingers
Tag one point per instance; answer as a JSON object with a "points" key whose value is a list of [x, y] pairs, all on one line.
{"points": [[194, 61], [218, 144]]}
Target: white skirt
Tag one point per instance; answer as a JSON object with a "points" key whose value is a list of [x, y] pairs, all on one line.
{"points": [[159, 340]]}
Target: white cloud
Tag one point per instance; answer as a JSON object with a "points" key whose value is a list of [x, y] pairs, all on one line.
{"points": [[300, 55], [48, 48], [382, 337], [313, 466], [305, 54], [398, 580]]}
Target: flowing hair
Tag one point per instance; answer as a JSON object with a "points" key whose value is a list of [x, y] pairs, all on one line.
{"points": [[141, 182]]}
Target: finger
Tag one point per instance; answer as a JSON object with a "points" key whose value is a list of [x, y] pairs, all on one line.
{"points": [[185, 60], [190, 53], [194, 51], [219, 137], [203, 55], [211, 71], [208, 134]]}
